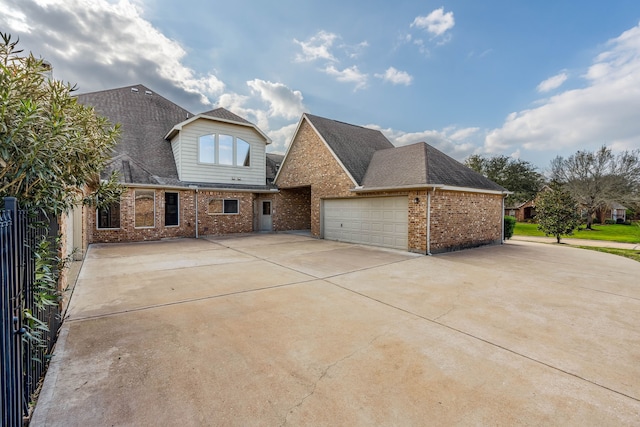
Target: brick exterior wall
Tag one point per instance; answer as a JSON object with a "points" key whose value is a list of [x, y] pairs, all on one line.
{"points": [[292, 209], [129, 233], [225, 223], [309, 163], [463, 220], [458, 219]]}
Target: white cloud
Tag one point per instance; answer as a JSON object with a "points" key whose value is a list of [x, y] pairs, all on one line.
{"points": [[436, 23], [348, 75], [16, 20], [281, 138], [317, 47], [552, 83], [604, 111], [104, 44], [396, 77], [282, 101], [355, 51]]}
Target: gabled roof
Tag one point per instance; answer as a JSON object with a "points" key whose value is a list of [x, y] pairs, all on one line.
{"points": [[223, 113], [353, 145], [219, 115], [421, 164], [145, 118]]}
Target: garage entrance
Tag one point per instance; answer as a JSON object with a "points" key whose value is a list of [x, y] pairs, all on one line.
{"points": [[377, 221]]}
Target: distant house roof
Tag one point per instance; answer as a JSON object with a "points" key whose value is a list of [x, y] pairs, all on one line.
{"points": [[274, 161], [145, 118], [353, 145], [421, 164]]}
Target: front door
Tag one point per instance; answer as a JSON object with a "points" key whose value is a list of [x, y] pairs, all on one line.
{"points": [[265, 216]]}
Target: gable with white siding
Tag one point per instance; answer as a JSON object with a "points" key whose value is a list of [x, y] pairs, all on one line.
{"points": [[185, 145]]}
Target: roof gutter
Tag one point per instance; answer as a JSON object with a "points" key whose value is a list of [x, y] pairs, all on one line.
{"points": [[360, 189], [200, 187]]}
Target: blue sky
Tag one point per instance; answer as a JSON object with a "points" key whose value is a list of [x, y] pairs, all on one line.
{"points": [[526, 79]]}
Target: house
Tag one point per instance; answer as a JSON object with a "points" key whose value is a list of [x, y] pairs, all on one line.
{"points": [[187, 175], [617, 213], [349, 183], [184, 174], [524, 211]]}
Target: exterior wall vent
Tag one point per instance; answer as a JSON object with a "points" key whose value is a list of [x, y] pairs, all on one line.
{"points": [[134, 89], [147, 92]]}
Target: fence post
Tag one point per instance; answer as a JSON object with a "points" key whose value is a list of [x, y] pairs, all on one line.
{"points": [[11, 246]]}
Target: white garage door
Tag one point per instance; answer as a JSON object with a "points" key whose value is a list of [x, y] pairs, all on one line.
{"points": [[378, 221]]}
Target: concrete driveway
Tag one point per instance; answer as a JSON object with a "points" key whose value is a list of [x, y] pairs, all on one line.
{"points": [[282, 329]]}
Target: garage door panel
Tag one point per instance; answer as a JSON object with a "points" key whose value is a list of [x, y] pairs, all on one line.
{"points": [[380, 221]]}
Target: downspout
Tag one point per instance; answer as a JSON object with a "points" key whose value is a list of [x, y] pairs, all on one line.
{"points": [[195, 192], [504, 196], [429, 220]]}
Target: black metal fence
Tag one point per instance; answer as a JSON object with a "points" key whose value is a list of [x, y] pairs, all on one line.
{"points": [[23, 361]]}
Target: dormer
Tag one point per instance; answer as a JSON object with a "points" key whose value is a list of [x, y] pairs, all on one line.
{"points": [[219, 147]]}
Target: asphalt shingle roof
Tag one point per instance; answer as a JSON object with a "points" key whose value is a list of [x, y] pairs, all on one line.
{"points": [[418, 164], [145, 118], [354, 145], [222, 113]]}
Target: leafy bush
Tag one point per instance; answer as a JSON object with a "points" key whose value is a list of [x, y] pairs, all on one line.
{"points": [[509, 226]]}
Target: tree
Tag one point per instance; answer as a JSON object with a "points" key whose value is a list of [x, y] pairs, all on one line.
{"points": [[596, 179], [516, 175], [557, 212], [52, 149]]}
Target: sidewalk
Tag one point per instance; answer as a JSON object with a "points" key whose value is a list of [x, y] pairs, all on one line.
{"points": [[579, 242]]}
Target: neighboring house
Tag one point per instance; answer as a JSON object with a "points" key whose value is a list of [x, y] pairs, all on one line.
{"points": [[349, 183], [615, 212], [522, 212], [185, 175]]}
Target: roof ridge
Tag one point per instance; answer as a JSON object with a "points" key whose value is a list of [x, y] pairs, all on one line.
{"points": [[341, 122], [138, 85]]}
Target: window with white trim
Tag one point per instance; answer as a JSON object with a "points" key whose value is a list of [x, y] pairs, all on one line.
{"points": [[224, 149], [145, 208], [224, 207]]}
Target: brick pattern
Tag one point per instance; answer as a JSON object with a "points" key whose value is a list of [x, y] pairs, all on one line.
{"points": [[292, 209], [225, 223], [309, 164], [129, 233], [463, 220], [458, 219]]}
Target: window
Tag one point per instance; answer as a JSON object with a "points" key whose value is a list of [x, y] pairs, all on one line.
{"points": [[171, 209], [224, 150], [207, 149], [109, 217], [242, 152], [145, 208], [224, 206]]}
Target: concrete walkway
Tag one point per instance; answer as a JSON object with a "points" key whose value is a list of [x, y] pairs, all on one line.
{"points": [[280, 329], [579, 242]]}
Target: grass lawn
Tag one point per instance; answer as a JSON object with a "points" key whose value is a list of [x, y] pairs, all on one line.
{"points": [[627, 253], [613, 232]]}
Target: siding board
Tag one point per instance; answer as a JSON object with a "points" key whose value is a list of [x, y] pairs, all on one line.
{"points": [[190, 170]]}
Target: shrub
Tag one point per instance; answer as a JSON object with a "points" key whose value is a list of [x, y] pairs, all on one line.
{"points": [[509, 226]]}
